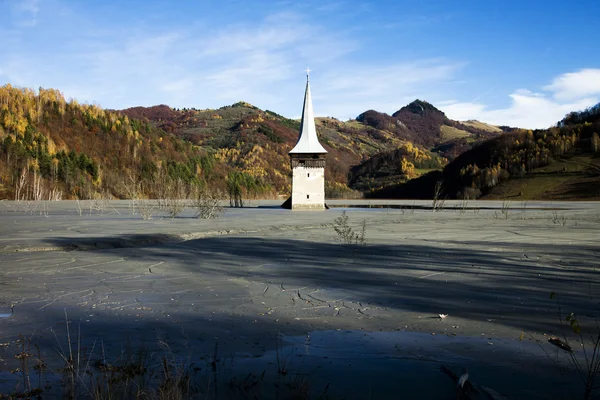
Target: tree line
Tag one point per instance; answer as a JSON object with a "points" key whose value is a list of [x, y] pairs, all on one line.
{"points": [[51, 148]]}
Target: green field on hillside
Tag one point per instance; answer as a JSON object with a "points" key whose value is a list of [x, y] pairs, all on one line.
{"points": [[451, 133], [575, 177], [423, 171], [482, 125]]}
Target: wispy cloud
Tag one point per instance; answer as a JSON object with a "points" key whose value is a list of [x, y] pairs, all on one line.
{"points": [[574, 85], [258, 59], [260, 62], [25, 12]]}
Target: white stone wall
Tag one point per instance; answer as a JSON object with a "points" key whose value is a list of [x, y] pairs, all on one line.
{"points": [[308, 188]]}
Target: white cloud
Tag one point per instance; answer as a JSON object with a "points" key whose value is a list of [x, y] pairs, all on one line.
{"points": [[568, 92], [525, 111], [262, 62], [574, 85]]}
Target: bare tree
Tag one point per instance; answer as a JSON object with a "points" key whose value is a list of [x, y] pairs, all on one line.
{"points": [[37, 187], [54, 195], [132, 188], [148, 208], [176, 199], [79, 206], [162, 188], [102, 205], [438, 200], [208, 204], [21, 184]]}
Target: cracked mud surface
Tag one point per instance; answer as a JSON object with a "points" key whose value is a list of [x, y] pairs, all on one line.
{"points": [[259, 275]]}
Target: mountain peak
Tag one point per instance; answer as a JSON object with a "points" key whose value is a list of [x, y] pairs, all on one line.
{"points": [[244, 104], [418, 107]]}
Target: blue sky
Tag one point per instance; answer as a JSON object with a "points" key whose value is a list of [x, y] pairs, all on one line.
{"points": [[520, 63]]}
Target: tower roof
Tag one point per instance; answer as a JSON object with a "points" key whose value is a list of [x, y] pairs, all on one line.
{"points": [[308, 142]]}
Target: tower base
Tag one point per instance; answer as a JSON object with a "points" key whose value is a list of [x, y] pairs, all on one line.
{"points": [[306, 207]]}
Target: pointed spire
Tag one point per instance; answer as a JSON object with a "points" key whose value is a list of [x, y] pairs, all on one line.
{"points": [[308, 142]]}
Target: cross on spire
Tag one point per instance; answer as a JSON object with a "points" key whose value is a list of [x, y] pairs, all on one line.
{"points": [[307, 70], [308, 142]]}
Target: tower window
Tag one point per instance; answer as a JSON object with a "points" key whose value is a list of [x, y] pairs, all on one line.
{"points": [[308, 174], [308, 196]]}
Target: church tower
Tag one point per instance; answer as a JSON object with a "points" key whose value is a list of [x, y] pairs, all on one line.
{"points": [[308, 162]]}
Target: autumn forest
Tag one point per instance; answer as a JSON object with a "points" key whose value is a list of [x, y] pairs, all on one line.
{"points": [[52, 149]]}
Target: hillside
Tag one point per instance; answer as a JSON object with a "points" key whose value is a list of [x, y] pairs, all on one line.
{"points": [[570, 177], [53, 148], [482, 126], [394, 166], [246, 138], [557, 163], [236, 134], [422, 124]]}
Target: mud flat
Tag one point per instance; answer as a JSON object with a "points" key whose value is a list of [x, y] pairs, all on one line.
{"points": [[266, 289]]}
